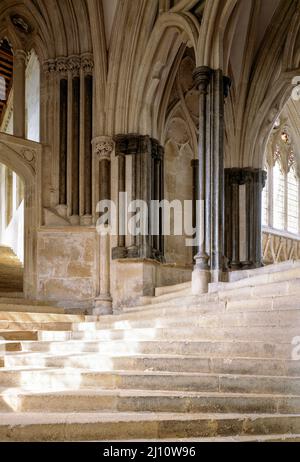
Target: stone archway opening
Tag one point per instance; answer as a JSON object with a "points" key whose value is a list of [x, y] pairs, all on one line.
{"points": [[12, 195]]}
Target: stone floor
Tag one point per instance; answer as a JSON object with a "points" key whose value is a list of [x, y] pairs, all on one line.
{"points": [[178, 367]]}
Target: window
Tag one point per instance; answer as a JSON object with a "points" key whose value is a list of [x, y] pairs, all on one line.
{"points": [[265, 202], [278, 197], [293, 201], [282, 191]]}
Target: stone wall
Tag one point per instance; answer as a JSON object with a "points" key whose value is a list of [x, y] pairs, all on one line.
{"points": [[133, 279], [67, 266]]}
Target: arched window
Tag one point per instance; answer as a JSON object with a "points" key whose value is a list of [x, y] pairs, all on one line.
{"points": [[281, 194], [278, 197], [293, 201]]}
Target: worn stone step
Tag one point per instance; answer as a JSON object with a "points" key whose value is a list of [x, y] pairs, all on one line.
{"points": [[18, 335], [28, 316], [265, 333], [290, 302], [117, 347], [268, 269], [36, 427], [275, 289], [15, 296], [15, 400], [11, 306], [51, 378], [287, 318], [36, 326], [288, 438], [172, 363], [259, 279], [174, 288]]}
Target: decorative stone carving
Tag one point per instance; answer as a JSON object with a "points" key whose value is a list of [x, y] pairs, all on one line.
{"points": [[49, 66], [62, 66], [29, 155], [103, 147], [178, 131], [21, 24], [87, 63], [74, 64]]}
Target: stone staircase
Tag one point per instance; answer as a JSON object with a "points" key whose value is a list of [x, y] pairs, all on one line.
{"points": [[176, 367], [11, 271]]}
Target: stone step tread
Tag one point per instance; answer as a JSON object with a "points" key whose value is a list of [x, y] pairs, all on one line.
{"points": [[150, 341], [135, 393], [28, 308], [194, 313], [261, 279], [231, 357], [33, 418], [223, 439], [163, 290], [22, 316], [138, 373]]}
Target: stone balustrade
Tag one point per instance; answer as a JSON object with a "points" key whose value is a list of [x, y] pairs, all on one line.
{"points": [[279, 246]]}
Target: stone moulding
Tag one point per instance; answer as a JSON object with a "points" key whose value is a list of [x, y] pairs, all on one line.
{"points": [[133, 144], [62, 65]]}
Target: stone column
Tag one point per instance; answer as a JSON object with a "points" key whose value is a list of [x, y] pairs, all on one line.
{"points": [[62, 76], [19, 93], [201, 273], [74, 138], [219, 88], [147, 184], [8, 196], [88, 66], [195, 167], [254, 181], [102, 150]]}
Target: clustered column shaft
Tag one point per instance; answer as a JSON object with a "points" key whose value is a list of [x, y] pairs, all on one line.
{"points": [[213, 88], [19, 70], [74, 121], [253, 180], [146, 185]]}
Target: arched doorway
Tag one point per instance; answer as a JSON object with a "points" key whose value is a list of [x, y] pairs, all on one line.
{"points": [[23, 157], [11, 231]]}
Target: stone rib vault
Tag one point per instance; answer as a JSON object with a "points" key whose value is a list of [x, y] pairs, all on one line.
{"points": [[213, 368]]}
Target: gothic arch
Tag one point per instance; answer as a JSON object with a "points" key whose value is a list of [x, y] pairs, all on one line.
{"points": [[24, 159]]}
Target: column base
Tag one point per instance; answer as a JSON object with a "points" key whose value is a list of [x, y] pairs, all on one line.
{"points": [[217, 276], [119, 253], [200, 280], [74, 220], [62, 210], [86, 220], [103, 305]]}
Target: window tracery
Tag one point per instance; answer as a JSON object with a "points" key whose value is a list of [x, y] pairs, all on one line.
{"points": [[281, 195]]}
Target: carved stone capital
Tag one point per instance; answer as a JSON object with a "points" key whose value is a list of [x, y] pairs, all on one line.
{"points": [[241, 176], [49, 66], [87, 63], [103, 146], [62, 66], [202, 76], [74, 64], [133, 144]]}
